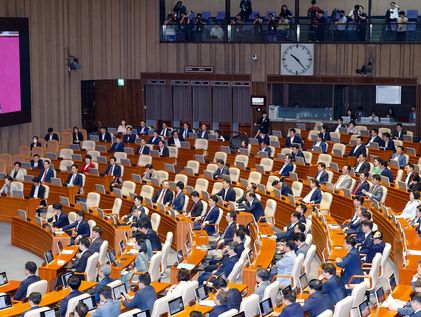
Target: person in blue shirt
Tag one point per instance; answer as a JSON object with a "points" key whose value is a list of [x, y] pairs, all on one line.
{"points": [[117, 146], [221, 301], [399, 156], [385, 171], [145, 297], [282, 186], [74, 284], [104, 278], [292, 309], [333, 284], [317, 302], [141, 263], [180, 198], [30, 270], [107, 306], [322, 176], [287, 167], [351, 263]]}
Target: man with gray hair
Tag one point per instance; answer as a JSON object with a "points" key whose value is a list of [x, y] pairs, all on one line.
{"points": [[103, 279], [107, 306], [262, 280]]}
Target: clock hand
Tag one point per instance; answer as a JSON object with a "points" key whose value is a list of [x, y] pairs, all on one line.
{"points": [[299, 62]]}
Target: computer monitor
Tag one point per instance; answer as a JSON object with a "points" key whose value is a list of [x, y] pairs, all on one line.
{"points": [[202, 292], [49, 257], [286, 290], [22, 214], [122, 247], [188, 246], [266, 307], [380, 295], [240, 314], [364, 309], [112, 257], [176, 305], [65, 278], [59, 246], [180, 257], [143, 313], [5, 301], [64, 201], [56, 181], [119, 290], [48, 313], [303, 281], [90, 302], [3, 278], [392, 282]]}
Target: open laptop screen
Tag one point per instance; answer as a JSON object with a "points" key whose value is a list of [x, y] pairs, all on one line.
{"points": [[3, 278], [266, 307]]}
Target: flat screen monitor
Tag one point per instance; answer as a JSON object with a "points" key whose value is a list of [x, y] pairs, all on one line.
{"points": [[303, 281], [180, 257], [111, 257], [240, 314], [364, 309], [48, 313], [202, 292], [119, 290], [3, 278], [286, 290], [392, 282], [59, 246], [49, 257], [266, 307], [143, 313], [90, 302], [65, 278], [380, 295], [258, 101], [5, 301], [121, 244], [176, 305]]}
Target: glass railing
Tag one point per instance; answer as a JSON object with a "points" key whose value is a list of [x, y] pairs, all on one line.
{"points": [[376, 32]]}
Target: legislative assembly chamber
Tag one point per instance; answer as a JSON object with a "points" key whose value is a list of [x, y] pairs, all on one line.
{"points": [[222, 158]]}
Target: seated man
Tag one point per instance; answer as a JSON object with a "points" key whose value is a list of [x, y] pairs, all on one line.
{"points": [[376, 192], [136, 213], [351, 263], [117, 146], [74, 179], [113, 169], [73, 283], [51, 135], [163, 149], [185, 131], [288, 233], [315, 194], [104, 135], [251, 187], [332, 284], [385, 171], [262, 137], [129, 137], [165, 131], [297, 152], [300, 242], [34, 299], [104, 278], [37, 163], [96, 239], [361, 185], [287, 167], [60, 219], [302, 209], [345, 180], [234, 294], [81, 310], [292, 309], [362, 165], [282, 187], [107, 305], [143, 148], [227, 193], [38, 191], [79, 266], [399, 156], [318, 301], [355, 227], [228, 235], [358, 148], [165, 195], [46, 174], [145, 297], [30, 270], [80, 228], [377, 246], [374, 138], [285, 264], [254, 206], [203, 133], [154, 139], [197, 206], [366, 239], [389, 144], [144, 225], [222, 300], [180, 198], [293, 138], [209, 219], [175, 140], [322, 176], [222, 169], [264, 148], [320, 143], [262, 282], [398, 133], [149, 173], [143, 129]]}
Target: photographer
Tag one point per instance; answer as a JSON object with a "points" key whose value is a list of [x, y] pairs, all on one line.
{"points": [[340, 26], [245, 9], [360, 19], [199, 23], [178, 10], [272, 28]]}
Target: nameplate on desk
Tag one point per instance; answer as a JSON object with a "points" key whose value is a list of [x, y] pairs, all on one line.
{"points": [[414, 252], [186, 266], [334, 226], [61, 262], [67, 252]]}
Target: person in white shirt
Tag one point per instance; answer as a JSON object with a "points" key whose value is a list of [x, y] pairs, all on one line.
{"points": [[122, 127], [392, 13], [410, 209], [409, 170], [183, 278], [217, 32], [340, 124], [17, 172], [345, 180]]}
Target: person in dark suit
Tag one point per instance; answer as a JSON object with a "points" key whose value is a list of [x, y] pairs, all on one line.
{"points": [[46, 174], [81, 228], [322, 176], [145, 297], [143, 129], [389, 144], [227, 193], [203, 133], [197, 206], [180, 198], [144, 226], [263, 124], [340, 125], [143, 148], [374, 137], [228, 235], [113, 169], [262, 137], [293, 138], [37, 163], [288, 233], [165, 131], [351, 263], [366, 239], [221, 301], [165, 195], [320, 143], [235, 296], [34, 299], [74, 284], [416, 304], [38, 191], [385, 171], [362, 185], [175, 139], [254, 206], [77, 136], [292, 309], [287, 167], [282, 187], [60, 219], [264, 148], [104, 135], [104, 278], [300, 242], [398, 133], [226, 266], [30, 270], [297, 152], [325, 133], [129, 137], [315, 194], [79, 266], [362, 165], [51, 135], [117, 146], [209, 219], [74, 179], [222, 169], [163, 149], [377, 246], [184, 132], [318, 301], [358, 148], [154, 139], [136, 213], [35, 142], [96, 239], [333, 284]]}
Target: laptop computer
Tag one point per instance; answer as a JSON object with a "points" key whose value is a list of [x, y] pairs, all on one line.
{"points": [[101, 160], [125, 162], [364, 309], [199, 158], [411, 151], [185, 145], [101, 148], [337, 152], [244, 182], [294, 176], [286, 290], [59, 246], [5, 301], [240, 165], [316, 149], [261, 188], [176, 306], [65, 278], [225, 149], [117, 192], [64, 201], [56, 181], [48, 256], [52, 155], [329, 187], [291, 199], [22, 214], [154, 153], [180, 256], [380, 295], [148, 202], [266, 307], [143, 313], [3, 278], [128, 150], [202, 292], [155, 182], [100, 189], [48, 313], [26, 165], [74, 147], [94, 171], [192, 135], [303, 280], [240, 314], [77, 157], [374, 145], [402, 185], [121, 246], [385, 181], [112, 257], [244, 152], [334, 167], [136, 178], [260, 168], [407, 138], [300, 160], [205, 195], [392, 282], [100, 213], [212, 137], [208, 174], [90, 302], [277, 193], [347, 192], [394, 163], [118, 291], [84, 206], [189, 189]]}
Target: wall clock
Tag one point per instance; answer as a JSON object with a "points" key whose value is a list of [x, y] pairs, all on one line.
{"points": [[297, 59]]}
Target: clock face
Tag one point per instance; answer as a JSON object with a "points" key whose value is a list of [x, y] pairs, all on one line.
{"points": [[297, 59]]}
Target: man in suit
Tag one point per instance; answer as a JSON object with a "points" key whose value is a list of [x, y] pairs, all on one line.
{"points": [[345, 180], [318, 301], [145, 297], [262, 137], [254, 206], [263, 124], [136, 213], [288, 233], [285, 264], [17, 172], [197, 206], [228, 235], [34, 299], [175, 140], [108, 307], [51, 135], [38, 191], [398, 133], [143, 148], [297, 152], [74, 284], [365, 240], [222, 169], [388, 142], [74, 179], [333, 285], [300, 241], [154, 139], [164, 132], [165, 195], [377, 246], [37, 163], [287, 167], [163, 149], [104, 278], [79, 266], [374, 137], [376, 192], [60, 219], [117, 146], [30, 278], [399, 156], [416, 304], [340, 125], [320, 143], [129, 137], [362, 185], [325, 134], [227, 193], [104, 135], [351, 263], [184, 132], [322, 176], [362, 165], [203, 133], [221, 301], [264, 148], [358, 148], [144, 225], [113, 169], [385, 171], [262, 281], [143, 129], [180, 198], [315, 194], [46, 174], [293, 138], [292, 309], [209, 219], [221, 284], [96, 239], [282, 186], [80, 226]]}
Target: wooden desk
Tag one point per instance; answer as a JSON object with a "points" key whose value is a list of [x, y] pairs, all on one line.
{"points": [[10, 287], [9, 207], [196, 307]]}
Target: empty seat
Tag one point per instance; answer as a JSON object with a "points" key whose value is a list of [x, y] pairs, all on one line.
{"points": [[147, 191], [267, 164], [194, 165], [88, 145], [234, 174], [92, 200], [201, 185], [241, 158], [144, 160], [127, 188], [201, 144], [66, 154], [325, 158], [181, 178], [64, 164], [255, 177]]}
